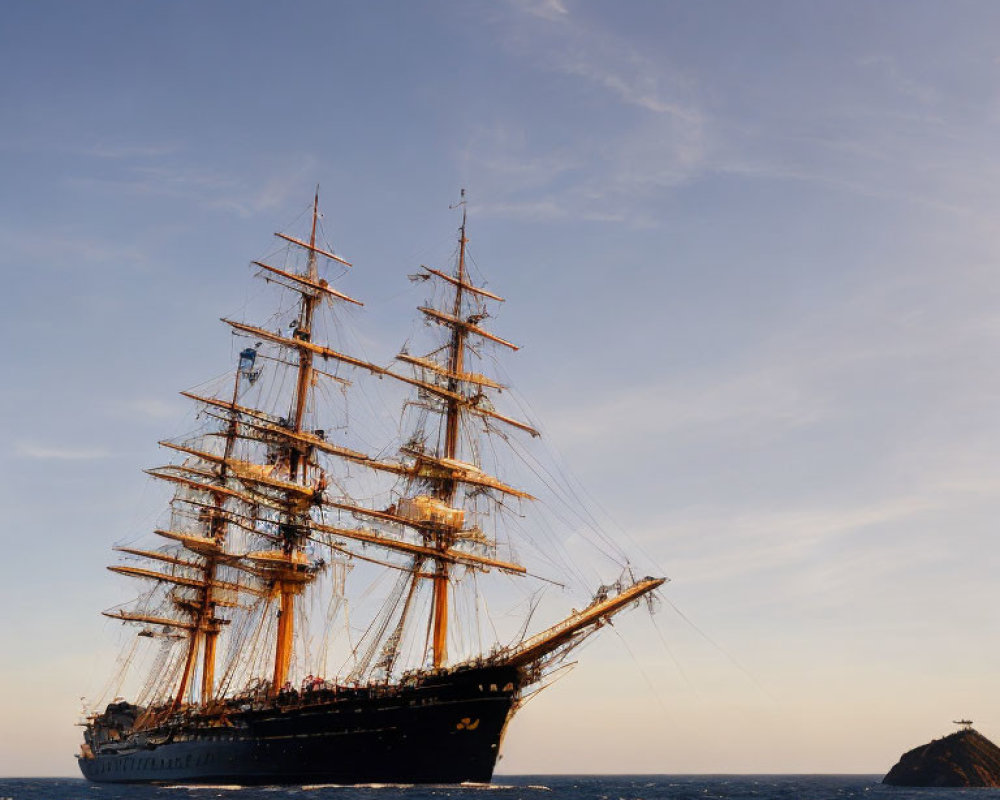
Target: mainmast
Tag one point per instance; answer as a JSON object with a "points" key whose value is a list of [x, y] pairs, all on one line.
{"points": [[304, 333], [287, 583]]}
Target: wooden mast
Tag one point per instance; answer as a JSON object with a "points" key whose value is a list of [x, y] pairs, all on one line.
{"points": [[205, 627], [446, 491], [217, 531], [285, 589], [304, 332], [192, 654]]}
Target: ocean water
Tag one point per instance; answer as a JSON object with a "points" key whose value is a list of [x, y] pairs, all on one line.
{"points": [[506, 787]]}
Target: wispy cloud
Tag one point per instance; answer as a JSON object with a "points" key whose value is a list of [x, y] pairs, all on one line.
{"points": [[758, 540], [38, 451], [157, 179], [276, 188], [205, 187], [656, 139], [108, 150], [633, 81], [887, 68], [154, 408], [130, 151], [831, 552], [586, 49], [545, 9], [901, 138], [600, 180], [862, 351], [774, 395], [891, 133], [70, 248]]}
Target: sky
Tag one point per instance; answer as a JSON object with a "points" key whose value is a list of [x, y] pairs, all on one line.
{"points": [[750, 251]]}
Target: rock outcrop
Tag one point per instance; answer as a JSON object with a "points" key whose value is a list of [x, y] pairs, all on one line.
{"points": [[966, 758]]}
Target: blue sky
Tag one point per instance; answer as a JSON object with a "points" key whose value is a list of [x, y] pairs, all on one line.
{"points": [[751, 252]]}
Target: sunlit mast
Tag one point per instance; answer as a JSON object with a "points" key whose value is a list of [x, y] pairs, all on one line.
{"points": [[292, 533], [447, 489]]}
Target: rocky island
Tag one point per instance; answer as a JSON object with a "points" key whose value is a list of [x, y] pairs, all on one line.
{"points": [[965, 758]]}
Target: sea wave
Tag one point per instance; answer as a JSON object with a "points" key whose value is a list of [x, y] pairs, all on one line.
{"points": [[312, 786]]}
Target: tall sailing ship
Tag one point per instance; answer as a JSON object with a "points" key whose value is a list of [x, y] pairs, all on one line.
{"points": [[267, 519]]}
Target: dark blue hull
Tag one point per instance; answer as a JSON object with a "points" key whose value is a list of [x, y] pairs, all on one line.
{"points": [[444, 729]]}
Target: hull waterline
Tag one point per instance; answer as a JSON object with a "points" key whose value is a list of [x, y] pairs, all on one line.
{"points": [[446, 731]]}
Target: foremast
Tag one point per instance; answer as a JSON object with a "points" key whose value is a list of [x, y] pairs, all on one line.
{"points": [[208, 627]]}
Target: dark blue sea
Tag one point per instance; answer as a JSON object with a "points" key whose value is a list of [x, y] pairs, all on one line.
{"points": [[531, 787]]}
